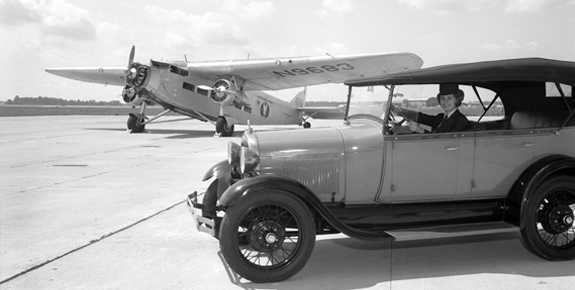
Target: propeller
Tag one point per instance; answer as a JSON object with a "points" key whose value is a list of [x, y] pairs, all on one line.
{"points": [[130, 71], [129, 93], [218, 90], [132, 53]]}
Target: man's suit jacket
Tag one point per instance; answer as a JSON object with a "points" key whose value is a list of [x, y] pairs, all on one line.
{"points": [[456, 123]]}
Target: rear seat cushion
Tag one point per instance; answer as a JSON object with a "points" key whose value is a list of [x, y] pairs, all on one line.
{"points": [[531, 119]]}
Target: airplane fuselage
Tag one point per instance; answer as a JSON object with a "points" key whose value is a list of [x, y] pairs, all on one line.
{"points": [[178, 90]]}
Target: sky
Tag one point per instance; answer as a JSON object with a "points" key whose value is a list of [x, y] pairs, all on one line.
{"points": [[39, 34]]}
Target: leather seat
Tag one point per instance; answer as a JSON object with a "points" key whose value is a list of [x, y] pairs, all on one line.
{"points": [[531, 119]]}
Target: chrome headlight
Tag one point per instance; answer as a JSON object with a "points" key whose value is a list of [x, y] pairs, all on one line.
{"points": [[249, 159], [233, 153]]}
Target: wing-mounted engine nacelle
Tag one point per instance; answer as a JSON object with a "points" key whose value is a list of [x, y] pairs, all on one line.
{"points": [[223, 92]]}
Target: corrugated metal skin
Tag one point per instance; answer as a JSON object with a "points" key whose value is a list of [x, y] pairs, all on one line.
{"points": [[318, 174]]}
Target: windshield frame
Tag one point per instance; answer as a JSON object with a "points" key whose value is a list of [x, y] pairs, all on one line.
{"points": [[386, 110]]}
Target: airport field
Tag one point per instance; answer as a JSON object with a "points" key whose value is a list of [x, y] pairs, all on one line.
{"points": [[84, 205]]}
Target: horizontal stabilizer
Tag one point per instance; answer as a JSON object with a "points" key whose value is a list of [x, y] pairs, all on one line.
{"points": [[324, 112]]}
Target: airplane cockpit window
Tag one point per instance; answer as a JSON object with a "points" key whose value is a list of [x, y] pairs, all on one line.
{"points": [[179, 71]]}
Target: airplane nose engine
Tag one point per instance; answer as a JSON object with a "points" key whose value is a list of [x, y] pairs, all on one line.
{"points": [[223, 92], [135, 77]]}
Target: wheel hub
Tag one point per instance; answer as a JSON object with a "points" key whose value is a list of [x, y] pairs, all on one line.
{"points": [[560, 218], [271, 238], [568, 220], [266, 236]]}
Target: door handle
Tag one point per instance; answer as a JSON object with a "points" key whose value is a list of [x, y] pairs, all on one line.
{"points": [[452, 148], [528, 144]]}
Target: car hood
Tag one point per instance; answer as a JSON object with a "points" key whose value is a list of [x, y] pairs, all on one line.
{"points": [[357, 137]]}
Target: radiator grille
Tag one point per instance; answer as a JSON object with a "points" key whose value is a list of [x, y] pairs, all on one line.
{"points": [[318, 174]]}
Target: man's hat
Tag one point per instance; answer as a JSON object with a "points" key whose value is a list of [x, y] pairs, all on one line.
{"points": [[448, 88]]}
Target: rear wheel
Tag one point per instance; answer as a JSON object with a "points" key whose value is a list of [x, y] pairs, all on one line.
{"points": [[268, 236], [547, 222]]}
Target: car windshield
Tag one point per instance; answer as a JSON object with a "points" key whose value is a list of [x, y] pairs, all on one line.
{"points": [[368, 100], [422, 98]]}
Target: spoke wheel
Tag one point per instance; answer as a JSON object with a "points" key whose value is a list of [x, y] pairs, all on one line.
{"points": [[547, 226], [268, 236]]}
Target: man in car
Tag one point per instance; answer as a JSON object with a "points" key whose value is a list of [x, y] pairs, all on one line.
{"points": [[450, 98]]}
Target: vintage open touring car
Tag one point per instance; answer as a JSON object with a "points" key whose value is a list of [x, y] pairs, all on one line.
{"points": [[367, 180]]}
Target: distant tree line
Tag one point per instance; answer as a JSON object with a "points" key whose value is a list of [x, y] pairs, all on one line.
{"points": [[59, 102]]}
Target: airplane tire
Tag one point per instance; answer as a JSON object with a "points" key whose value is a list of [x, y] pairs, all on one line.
{"points": [[133, 126], [223, 129], [306, 125]]}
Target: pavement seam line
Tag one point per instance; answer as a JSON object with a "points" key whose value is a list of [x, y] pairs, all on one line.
{"points": [[90, 243], [81, 178]]}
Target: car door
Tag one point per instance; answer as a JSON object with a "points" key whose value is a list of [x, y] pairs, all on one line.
{"points": [[500, 157], [424, 167]]}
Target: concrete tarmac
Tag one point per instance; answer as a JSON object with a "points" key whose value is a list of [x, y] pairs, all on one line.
{"points": [[83, 205]]}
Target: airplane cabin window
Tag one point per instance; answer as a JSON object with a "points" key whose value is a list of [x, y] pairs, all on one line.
{"points": [[202, 92], [189, 87]]}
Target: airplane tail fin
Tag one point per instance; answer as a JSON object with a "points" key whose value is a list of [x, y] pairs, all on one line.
{"points": [[299, 99]]}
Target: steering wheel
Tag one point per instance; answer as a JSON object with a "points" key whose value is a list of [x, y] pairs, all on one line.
{"points": [[393, 123]]}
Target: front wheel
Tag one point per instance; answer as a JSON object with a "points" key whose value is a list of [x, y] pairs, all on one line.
{"points": [[547, 226], [223, 128], [267, 236], [133, 124]]}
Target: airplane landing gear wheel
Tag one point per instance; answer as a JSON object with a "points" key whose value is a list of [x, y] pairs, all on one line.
{"points": [[306, 125], [223, 129], [133, 125]]}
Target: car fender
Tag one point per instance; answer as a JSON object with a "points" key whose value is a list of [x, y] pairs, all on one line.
{"points": [[222, 172], [217, 170], [245, 187], [530, 180]]}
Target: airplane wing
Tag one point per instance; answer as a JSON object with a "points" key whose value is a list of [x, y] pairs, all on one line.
{"points": [[284, 73], [269, 74], [113, 75], [323, 112]]}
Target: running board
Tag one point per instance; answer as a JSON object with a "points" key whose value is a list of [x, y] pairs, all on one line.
{"points": [[453, 231]]}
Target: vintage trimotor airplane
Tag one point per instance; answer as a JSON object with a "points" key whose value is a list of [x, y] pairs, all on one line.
{"points": [[226, 93]]}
